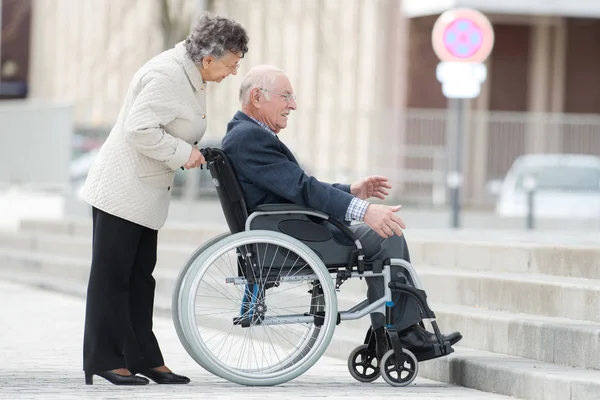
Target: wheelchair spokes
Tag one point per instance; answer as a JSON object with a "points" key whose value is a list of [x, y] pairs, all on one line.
{"points": [[271, 318]]}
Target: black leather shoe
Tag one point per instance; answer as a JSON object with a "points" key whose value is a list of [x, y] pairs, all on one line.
{"points": [[453, 337], [164, 377], [115, 378], [418, 340]]}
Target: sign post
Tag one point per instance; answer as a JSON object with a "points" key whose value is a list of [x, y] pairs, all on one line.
{"points": [[1, 5], [462, 38]]}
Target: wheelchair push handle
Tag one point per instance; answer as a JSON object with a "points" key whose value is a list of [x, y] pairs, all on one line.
{"points": [[208, 155]]}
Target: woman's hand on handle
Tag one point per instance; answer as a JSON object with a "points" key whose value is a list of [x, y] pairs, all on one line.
{"points": [[196, 159]]}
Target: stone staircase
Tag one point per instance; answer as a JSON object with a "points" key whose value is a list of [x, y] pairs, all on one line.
{"points": [[527, 304]]}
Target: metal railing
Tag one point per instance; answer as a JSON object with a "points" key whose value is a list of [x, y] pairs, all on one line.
{"points": [[493, 141]]}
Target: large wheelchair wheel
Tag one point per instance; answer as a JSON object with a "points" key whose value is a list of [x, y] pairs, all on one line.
{"points": [[256, 308], [175, 310]]}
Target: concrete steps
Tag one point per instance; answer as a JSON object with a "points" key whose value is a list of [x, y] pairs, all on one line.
{"points": [[569, 258], [538, 294], [552, 296], [514, 376], [529, 313], [538, 253], [535, 337], [554, 340], [169, 256]]}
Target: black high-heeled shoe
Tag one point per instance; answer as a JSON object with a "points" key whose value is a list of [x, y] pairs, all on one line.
{"points": [[164, 377], [115, 378]]}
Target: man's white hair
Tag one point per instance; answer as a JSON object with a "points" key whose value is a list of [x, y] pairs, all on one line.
{"points": [[262, 77]]}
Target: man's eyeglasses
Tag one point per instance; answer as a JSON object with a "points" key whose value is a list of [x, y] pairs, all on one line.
{"points": [[287, 96]]}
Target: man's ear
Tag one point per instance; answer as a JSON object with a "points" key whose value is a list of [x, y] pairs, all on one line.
{"points": [[255, 97]]}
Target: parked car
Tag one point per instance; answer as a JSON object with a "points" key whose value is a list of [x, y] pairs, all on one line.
{"points": [[564, 186]]}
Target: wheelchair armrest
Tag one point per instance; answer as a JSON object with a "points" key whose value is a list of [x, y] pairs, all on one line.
{"points": [[290, 208], [283, 208], [273, 207]]}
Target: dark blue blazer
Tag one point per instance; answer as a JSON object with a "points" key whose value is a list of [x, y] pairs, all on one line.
{"points": [[269, 173]]}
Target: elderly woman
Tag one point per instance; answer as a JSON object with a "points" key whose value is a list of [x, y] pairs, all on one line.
{"points": [[129, 188]]}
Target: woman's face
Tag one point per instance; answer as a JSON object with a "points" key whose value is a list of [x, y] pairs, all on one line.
{"points": [[215, 70]]}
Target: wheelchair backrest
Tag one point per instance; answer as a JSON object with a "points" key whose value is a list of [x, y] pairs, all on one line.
{"points": [[328, 248], [228, 188]]}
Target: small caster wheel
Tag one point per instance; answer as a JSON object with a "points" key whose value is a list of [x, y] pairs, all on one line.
{"points": [[362, 365], [399, 372]]}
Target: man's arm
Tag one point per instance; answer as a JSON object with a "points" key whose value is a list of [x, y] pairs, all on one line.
{"points": [[260, 161], [342, 186], [357, 209]]}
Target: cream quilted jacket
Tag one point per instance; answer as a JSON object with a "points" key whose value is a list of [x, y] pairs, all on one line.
{"points": [[163, 116]]}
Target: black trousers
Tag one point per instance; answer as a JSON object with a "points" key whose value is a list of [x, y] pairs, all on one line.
{"points": [[120, 297]]}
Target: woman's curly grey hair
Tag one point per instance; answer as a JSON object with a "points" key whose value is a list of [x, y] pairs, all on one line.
{"points": [[213, 36]]}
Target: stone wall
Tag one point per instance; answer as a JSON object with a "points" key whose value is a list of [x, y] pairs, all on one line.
{"points": [[345, 59]]}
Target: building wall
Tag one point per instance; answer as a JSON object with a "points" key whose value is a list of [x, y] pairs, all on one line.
{"points": [[541, 78], [424, 90], [509, 62], [583, 59], [14, 49], [338, 55], [508, 91], [336, 52], [86, 51], [368, 98]]}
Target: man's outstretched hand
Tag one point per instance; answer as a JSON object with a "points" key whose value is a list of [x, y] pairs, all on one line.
{"points": [[382, 220], [372, 186]]}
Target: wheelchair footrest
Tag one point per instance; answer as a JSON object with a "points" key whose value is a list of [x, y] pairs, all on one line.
{"points": [[436, 351]]}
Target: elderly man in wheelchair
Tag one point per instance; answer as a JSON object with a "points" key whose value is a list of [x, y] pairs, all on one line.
{"points": [[258, 305]]}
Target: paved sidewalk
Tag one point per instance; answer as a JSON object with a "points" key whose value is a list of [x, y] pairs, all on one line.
{"points": [[40, 358]]}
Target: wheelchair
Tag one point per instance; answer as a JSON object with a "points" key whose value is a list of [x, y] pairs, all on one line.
{"points": [[257, 306]]}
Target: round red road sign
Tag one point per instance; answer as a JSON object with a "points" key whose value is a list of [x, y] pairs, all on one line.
{"points": [[462, 34]]}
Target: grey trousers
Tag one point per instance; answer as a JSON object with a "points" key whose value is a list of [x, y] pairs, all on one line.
{"points": [[405, 312]]}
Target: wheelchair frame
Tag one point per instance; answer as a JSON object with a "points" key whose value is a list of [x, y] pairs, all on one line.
{"points": [[383, 304], [355, 268]]}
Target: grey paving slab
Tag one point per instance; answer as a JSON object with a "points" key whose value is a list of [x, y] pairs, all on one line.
{"points": [[40, 358]]}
